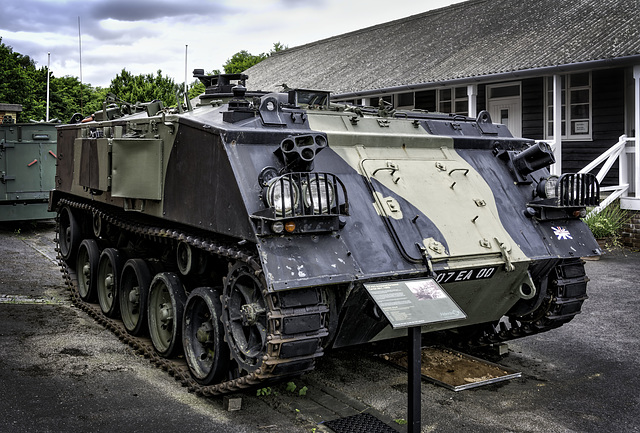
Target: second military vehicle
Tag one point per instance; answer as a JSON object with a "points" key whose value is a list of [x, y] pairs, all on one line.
{"points": [[27, 169]]}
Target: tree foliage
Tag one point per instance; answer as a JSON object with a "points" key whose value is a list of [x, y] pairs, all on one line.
{"points": [[196, 89], [243, 60], [19, 82], [144, 88], [22, 82]]}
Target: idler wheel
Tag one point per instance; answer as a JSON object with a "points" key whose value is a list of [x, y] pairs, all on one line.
{"points": [[165, 310], [244, 316], [190, 260], [184, 258], [87, 270], [70, 236], [109, 269], [97, 225], [134, 291], [205, 351]]}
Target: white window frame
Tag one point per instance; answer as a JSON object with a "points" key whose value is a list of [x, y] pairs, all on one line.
{"points": [[567, 120], [454, 100], [396, 101]]}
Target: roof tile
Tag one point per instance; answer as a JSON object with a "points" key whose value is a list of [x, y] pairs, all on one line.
{"points": [[470, 39]]}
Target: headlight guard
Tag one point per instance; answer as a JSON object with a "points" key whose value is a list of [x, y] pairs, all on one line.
{"points": [[564, 196], [312, 201]]}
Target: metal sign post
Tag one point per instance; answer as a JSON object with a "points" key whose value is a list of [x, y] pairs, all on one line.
{"points": [[412, 304], [414, 353]]}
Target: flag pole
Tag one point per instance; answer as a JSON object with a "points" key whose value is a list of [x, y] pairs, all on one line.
{"points": [[48, 73]]}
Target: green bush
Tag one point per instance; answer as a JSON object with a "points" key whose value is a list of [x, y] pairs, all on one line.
{"points": [[608, 222]]}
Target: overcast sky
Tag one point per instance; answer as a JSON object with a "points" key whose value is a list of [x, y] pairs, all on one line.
{"points": [[145, 36]]}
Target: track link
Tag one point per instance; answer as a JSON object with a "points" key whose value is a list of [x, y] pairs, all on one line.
{"points": [[563, 302], [292, 346]]}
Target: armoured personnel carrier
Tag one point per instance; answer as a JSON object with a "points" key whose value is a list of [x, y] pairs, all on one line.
{"points": [[27, 169], [244, 232]]}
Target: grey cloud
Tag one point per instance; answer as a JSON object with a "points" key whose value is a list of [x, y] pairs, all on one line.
{"points": [[318, 4], [36, 16], [39, 17], [127, 10], [42, 16]]}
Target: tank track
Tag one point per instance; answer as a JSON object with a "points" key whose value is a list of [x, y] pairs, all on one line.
{"points": [[563, 302], [285, 355]]}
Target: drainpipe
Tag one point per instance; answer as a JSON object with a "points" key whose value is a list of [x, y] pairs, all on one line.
{"points": [[556, 144], [472, 94]]}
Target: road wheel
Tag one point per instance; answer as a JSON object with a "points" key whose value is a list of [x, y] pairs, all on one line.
{"points": [[87, 270], [134, 290], [165, 310], [69, 236], [109, 269], [203, 336]]}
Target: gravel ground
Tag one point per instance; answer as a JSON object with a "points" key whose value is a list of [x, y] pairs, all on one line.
{"points": [[61, 371]]}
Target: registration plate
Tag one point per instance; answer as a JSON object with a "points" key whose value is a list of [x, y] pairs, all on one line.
{"points": [[465, 275]]}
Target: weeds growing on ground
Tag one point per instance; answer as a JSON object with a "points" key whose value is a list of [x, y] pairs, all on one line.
{"points": [[608, 223]]}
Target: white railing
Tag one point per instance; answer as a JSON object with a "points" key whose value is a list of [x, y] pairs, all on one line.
{"points": [[626, 168]]}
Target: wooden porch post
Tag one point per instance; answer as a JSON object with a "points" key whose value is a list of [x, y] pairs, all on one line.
{"points": [[636, 77]]}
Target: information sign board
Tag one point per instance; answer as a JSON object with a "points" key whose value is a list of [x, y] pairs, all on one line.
{"points": [[411, 303]]}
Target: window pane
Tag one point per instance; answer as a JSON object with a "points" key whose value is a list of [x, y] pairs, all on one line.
{"points": [[445, 107], [461, 92], [445, 94], [550, 129], [580, 80], [462, 107], [580, 111], [580, 96], [426, 100], [405, 99], [506, 91]]}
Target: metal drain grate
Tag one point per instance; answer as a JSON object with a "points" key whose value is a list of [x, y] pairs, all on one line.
{"points": [[361, 423]]}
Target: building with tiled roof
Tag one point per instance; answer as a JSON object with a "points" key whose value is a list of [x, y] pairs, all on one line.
{"points": [[464, 43], [503, 56]]}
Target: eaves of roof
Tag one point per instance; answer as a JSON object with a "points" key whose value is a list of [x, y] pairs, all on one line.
{"points": [[502, 76]]}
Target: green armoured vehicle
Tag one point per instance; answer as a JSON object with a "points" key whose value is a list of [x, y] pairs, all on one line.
{"points": [[27, 169], [246, 232]]}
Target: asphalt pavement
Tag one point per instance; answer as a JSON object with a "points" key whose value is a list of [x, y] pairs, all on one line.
{"points": [[61, 371]]}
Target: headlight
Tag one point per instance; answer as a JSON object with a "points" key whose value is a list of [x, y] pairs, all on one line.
{"points": [[547, 187], [550, 186], [318, 195], [282, 194]]}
